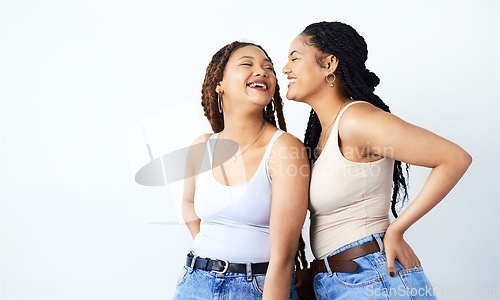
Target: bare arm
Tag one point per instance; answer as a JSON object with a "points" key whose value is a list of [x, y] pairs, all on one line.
{"points": [[290, 173], [188, 213], [193, 164], [384, 134]]}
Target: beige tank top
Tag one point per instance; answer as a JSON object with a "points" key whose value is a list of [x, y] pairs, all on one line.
{"points": [[348, 200]]}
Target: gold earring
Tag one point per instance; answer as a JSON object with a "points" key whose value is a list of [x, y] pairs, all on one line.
{"points": [[273, 106], [333, 80], [219, 102]]}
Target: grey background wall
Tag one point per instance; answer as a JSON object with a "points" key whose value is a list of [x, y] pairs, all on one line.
{"points": [[78, 76]]}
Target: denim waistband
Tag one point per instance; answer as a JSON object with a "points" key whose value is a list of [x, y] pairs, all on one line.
{"points": [[374, 237]]}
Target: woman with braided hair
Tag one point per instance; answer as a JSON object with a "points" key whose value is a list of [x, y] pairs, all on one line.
{"points": [[357, 148], [246, 192]]}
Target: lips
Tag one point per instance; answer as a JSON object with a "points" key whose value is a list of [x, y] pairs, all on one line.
{"points": [[258, 85], [291, 80]]}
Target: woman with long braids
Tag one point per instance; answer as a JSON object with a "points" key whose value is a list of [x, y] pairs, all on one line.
{"points": [[357, 148], [246, 193]]}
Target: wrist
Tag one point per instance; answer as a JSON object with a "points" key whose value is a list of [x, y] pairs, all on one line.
{"points": [[395, 230]]}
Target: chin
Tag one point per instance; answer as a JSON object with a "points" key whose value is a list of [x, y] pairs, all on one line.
{"points": [[292, 97]]}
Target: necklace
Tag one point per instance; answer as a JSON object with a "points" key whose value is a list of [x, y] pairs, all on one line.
{"points": [[264, 125], [323, 135]]}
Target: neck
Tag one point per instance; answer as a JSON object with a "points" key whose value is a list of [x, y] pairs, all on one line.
{"points": [[242, 129], [327, 109], [326, 101]]}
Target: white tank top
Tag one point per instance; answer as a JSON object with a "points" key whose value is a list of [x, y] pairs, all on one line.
{"points": [[348, 200], [234, 219]]}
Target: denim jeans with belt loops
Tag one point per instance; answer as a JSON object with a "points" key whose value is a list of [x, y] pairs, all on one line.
{"points": [[194, 284], [371, 280]]}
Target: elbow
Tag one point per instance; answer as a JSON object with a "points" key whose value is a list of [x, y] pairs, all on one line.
{"points": [[466, 159], [463, 159], [284, 260]]}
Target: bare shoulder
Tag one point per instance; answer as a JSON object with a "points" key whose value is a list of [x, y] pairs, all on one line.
{"points": [[363, 118], [202, 138], [197, 147], [287, 140], [360, 110], [288, 149], [289, 161]]}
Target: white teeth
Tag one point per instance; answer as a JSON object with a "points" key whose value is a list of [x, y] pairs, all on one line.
{"points": [[257, 84], [292, 80]]}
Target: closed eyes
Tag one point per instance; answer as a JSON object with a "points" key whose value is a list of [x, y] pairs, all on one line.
{"points": [[270, 68]]}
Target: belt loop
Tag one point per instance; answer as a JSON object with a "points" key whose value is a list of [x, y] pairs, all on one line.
{"points": [[327, 265], [378, 238], [193, 262], [249, 271]]}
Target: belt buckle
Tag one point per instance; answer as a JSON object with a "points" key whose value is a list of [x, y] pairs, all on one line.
{"points": [[226, 267]]}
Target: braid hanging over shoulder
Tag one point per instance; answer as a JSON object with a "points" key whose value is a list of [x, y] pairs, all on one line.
{"points": [[358, 82]]}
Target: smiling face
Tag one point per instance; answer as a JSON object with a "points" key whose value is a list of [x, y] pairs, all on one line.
{"points": [[305, 77], [248, 78]]}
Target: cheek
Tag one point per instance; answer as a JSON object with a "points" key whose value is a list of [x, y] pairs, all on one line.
{"points": [[314, 76], [273, 88], [232, 82]]}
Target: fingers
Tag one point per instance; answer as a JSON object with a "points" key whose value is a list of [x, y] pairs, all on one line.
{"points": [[406, 257], [409, 259], [298, 283], [415, 264], [299, 278], [396, 248], [304, 284], [391, 263]]}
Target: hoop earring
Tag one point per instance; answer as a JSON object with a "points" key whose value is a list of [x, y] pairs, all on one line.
{"points": [[333, 80], [273, 106], [219, 102]]}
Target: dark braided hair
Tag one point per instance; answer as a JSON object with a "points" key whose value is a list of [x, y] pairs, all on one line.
{"points": [[213, 75], [358, 82]]}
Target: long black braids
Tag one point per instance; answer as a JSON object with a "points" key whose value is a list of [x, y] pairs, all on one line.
{"points": [[209, 101], [358, 82]]}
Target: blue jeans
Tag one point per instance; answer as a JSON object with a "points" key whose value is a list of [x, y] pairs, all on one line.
{"points": [[371, 279], [199, 284]]}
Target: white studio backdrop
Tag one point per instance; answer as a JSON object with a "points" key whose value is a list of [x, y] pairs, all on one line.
{"points": [[82, 82]]}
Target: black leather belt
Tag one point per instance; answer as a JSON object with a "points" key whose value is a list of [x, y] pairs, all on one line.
{"points": [[222, 266]]}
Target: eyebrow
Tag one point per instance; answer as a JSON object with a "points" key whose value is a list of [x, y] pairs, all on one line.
{"points": [[251, 57], [294, 51]]}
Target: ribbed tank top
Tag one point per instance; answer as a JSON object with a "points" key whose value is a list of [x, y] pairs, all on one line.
{"points": [[348, 200], [234, 219]]}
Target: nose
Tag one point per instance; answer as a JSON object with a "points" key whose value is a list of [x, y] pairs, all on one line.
{"points": [[286, 70], [259, 71]]}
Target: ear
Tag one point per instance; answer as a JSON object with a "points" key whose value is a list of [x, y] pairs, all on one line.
{"points": [[218, 89], [332, 63]]}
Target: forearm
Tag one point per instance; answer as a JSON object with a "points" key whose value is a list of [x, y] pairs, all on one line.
{"points": [[288, 211], [279, 279], [438, 184], [190, 218], [194, 228]]}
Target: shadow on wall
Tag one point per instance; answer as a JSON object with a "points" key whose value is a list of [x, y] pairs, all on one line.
{"points": [[158, 147], [159, 150]]}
